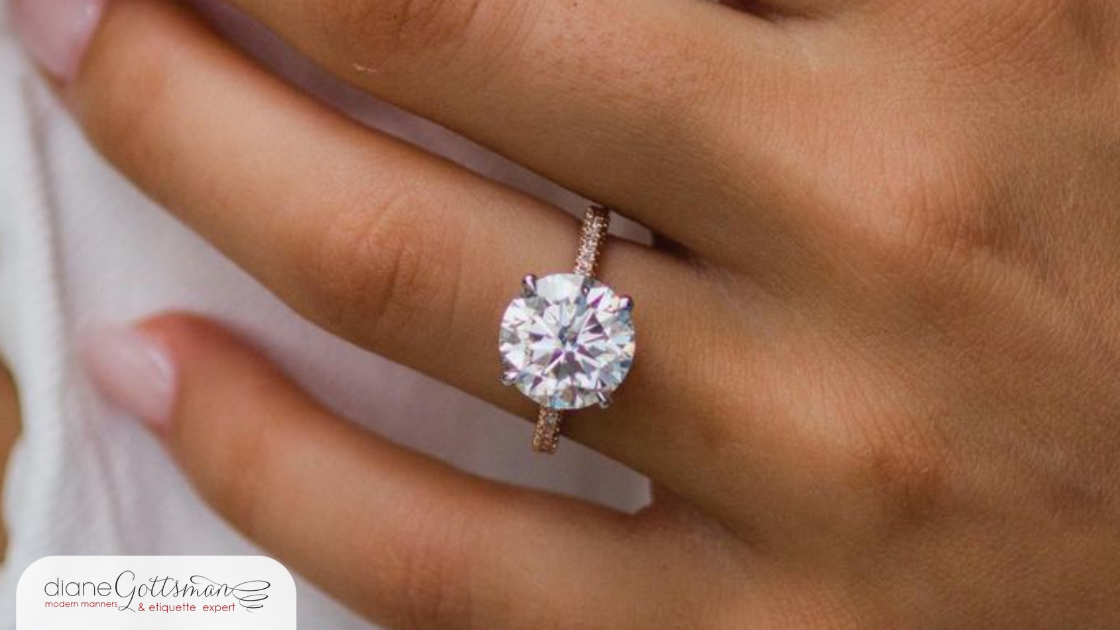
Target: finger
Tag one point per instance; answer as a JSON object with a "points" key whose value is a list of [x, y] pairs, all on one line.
{"points": [[402, 539], [10, 428], [404, 254], [627, 102]]}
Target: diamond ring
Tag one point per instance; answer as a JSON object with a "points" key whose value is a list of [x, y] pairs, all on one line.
{"points": [[568, 341]]}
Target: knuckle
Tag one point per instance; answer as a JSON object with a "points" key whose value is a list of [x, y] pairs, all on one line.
{"points": [[933, 224], [232, 463], [119, 122], [903, 475], [232, 483], [1025, 33], [930, 212], [1041, 48], [397, 29], [435, 575], [372, 268]]}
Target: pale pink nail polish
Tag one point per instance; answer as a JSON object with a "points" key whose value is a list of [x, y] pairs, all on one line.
{"points": [[57, 32], [134, 371]]}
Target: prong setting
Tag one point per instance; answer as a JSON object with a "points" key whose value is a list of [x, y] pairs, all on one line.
{"points": [[509, 377], [626, 303], [605, 399], [529, 286]]}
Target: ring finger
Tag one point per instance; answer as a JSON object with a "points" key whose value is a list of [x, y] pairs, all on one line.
{"points": [[390, 247]]}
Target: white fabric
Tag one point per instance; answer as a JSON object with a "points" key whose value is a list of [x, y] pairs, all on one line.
{"points": [[80, 246]]}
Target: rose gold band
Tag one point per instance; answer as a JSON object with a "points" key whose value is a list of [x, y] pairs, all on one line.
{"points": [[596, 221], [547, 435]]}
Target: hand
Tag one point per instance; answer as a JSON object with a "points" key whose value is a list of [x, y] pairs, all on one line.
{"points": [[877, 380]]}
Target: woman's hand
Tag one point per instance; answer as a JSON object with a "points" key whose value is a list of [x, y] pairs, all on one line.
{"points": [[878, 377]]}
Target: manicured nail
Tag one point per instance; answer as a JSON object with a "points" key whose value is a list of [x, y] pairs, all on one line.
{"points": [[57, 32], [134, 371]]}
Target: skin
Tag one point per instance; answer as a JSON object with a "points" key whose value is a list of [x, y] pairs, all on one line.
{"points": [[876, 385], [10, 427]]}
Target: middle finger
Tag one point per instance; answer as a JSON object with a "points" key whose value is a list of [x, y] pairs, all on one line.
{"points": [[575, 90]]}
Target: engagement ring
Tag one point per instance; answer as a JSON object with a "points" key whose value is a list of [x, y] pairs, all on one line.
{"points": [[568, 341]]}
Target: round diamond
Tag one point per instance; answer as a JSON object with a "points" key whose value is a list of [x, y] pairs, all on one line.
{"points": [[568, 342]]}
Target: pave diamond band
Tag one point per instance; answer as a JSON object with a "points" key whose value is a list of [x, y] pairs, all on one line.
{"points": [[596, 222], [568, 341], [546, 437]]}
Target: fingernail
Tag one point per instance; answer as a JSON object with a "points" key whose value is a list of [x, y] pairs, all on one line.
{"points": [[134, 371], [57, 32]]}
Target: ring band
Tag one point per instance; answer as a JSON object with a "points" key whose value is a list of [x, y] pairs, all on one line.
{"points": [[596, 222], [546, 437], [568, 341]]}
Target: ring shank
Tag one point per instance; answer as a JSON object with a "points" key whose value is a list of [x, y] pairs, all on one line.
{"points": [[546, 437], [596, 222]]}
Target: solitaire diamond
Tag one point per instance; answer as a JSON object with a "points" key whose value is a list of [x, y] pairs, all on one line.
{"points": [[567, 342]]}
